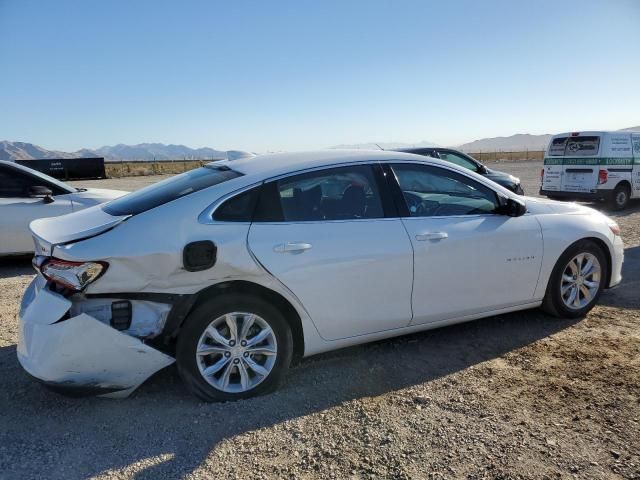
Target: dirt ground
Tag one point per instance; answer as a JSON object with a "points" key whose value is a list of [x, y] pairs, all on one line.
{"points": [[521, 395]]}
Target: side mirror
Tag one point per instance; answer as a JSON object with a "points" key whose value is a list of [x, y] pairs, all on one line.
{"points": [[512, 207], [39, 191]]}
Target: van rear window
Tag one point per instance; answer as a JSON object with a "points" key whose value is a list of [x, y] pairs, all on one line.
{"points": [[575, 146], [170, 189], [558, 145], [582, 146]]}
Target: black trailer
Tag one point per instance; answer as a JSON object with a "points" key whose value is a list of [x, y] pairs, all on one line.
{"points": [[68, 168]]}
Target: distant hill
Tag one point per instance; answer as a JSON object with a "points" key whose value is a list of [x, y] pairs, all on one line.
{"points": [[384, 145], [513, 143], [28, 151], [518, 142], [143, 151], [157, 151]]}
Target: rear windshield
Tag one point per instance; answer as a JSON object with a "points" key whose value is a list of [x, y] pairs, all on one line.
{"points": [[169, 189], [575, 146], [581, 146], [557, 146]]}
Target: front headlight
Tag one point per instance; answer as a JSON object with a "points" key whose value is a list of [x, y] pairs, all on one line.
{"points": [[72, 275]]}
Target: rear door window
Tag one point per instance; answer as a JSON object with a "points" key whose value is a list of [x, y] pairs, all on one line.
{"points": [[341, 193], [170, 189], [582, 146], [558, 145]]}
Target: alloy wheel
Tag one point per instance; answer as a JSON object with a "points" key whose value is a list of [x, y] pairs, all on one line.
{"points": [[236, 352], [580, 281]]}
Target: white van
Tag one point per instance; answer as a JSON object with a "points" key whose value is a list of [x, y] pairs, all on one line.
{"points": [[593, 166]]}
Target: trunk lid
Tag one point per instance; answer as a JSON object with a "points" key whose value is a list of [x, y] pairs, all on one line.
{"points": [[49, 232]]}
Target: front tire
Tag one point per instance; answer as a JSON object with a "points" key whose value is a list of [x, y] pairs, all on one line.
{"points": [[233, 347], [577, 281]]}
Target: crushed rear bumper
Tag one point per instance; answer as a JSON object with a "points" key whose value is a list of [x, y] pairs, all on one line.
{"points": [[79, 354]]}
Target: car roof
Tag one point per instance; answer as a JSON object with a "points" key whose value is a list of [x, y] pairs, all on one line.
{"points": [[417, 149], [275, 164], [263, 167], [428, 149]]}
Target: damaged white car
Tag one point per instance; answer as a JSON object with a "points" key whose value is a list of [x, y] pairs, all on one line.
{"points": [[236, 269]]}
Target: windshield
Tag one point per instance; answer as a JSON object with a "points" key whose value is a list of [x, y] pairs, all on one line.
{"points": [[46, 178], [169, 189]]}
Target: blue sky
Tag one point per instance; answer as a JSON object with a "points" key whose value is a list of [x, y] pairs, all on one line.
{"points": [[271, 75]]}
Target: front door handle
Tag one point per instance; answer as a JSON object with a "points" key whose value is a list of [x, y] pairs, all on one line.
{"points": [[421, 237], [292, 247]]}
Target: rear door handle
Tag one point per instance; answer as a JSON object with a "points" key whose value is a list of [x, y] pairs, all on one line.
{"points": [[292, 247], [421, 237]]}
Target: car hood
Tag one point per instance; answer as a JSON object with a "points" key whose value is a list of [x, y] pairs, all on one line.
{"points": [[538, 205], [94, 196], [52, 231], [501, 178]]}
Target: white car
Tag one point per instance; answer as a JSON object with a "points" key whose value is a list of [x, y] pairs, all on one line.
{"points": [[237, 268], [26, 194]]}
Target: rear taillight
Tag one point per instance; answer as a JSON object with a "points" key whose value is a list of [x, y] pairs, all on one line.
{"points": [[541, 176], [72, 275], [603, 176]]}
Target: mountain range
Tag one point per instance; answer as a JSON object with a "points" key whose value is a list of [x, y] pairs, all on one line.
{"points": [[513, 143], [517, 142], [143, 151], [159, 151]]}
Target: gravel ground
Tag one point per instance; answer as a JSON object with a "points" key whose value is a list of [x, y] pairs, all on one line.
{"points": [[516, 396]]}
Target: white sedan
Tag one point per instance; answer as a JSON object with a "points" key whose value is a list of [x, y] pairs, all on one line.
{"points": [[237, 268], [26, 194]]}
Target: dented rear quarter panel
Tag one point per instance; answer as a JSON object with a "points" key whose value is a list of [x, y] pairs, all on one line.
{"points": [[144, 254]]}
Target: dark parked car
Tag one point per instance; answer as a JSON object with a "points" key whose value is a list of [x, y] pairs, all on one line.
{"points": [[467, 161]]}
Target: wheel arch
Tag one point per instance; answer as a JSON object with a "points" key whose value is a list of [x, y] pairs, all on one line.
{"points": [[625, 183], [607, 255], [253, 289]]}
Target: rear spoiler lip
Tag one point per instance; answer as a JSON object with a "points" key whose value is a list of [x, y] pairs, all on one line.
{"points": [[46, 247]]}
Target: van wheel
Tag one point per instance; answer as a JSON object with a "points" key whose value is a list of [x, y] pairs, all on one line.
{"points": [[232, 347], [576, 282], [620, 197]]}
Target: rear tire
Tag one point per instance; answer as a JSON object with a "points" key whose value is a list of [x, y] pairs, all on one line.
{"points": [[574, 287], [243, 372], [620, 197]]}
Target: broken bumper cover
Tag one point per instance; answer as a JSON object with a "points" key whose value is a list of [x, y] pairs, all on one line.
{"points": [[79, 354]]}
